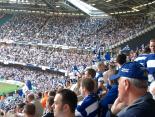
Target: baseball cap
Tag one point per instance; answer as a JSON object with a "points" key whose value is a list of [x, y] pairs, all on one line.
{"points": [[133, 70]]}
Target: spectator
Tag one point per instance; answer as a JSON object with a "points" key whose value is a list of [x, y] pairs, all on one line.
{"points": [[101, 91], [44, 99], [150, 61], [52, 93], [142, 57], [111, 70], [68, 84], [65, 103], [132, 93], [90, 73], [38, 106], [29, 110], [100, 70], [88, 107], [49, 104], [110, 96], [120, 60], [19, 110], [39, 96]]}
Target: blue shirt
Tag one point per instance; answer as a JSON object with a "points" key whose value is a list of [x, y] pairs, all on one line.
{"points": [[88, 107], [109, 98], [143, 107], [150, 64], [141, 59]]}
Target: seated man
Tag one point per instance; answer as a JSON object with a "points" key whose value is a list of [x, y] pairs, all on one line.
{"points": [[132, 93], [88, 107]]}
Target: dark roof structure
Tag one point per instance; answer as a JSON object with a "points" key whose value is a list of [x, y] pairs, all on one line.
{"points": [[68, 6]]}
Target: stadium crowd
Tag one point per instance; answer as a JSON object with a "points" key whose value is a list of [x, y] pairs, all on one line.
{"points": [[37, 78], [45, 56], [76, 31], [116, 89], [40, 80], [22, 27], [95, 90]]}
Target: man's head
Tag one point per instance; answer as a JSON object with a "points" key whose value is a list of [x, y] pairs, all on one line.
{"points": [[152, 45], [121, 59], [147, 50], [52, 93], [30, 97], [132, 79], [65, 103], [39, 95], [87, 86], [111, 66], [49, 103], [90, 73], [20, 107], [101, 66], [29, 110], [46, 94]]}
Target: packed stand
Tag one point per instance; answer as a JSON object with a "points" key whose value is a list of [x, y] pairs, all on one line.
{"points": [[40, 80], [22, 27], [45, 56], [68, 30], [95, 93], [118, 88], [78, 31]]}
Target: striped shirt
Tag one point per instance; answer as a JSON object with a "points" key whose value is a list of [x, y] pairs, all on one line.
{"points": [[141, 59], [150, 64], [88, 107]]}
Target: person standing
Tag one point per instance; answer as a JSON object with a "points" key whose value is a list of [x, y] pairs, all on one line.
{"points": [[88, 107], [65, 103], [150, 61]]}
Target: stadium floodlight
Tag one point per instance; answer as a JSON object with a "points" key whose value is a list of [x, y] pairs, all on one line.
{"points": [[88, 9]]}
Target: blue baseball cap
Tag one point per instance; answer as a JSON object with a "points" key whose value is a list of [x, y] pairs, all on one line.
{"points": [[132, 70]]}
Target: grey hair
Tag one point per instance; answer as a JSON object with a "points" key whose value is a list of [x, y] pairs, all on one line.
{"points": [[138, 83]]}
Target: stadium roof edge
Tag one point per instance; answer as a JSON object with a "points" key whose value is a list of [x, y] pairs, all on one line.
{"points": [[88, 9]]}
